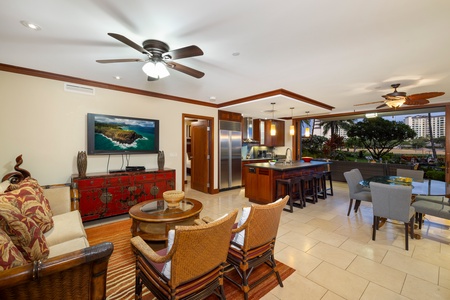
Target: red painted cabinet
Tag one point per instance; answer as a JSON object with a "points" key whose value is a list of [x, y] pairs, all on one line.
{"points": [[104, 195]]}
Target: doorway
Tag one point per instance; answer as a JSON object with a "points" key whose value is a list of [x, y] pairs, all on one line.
{"points": [[198, 149]]}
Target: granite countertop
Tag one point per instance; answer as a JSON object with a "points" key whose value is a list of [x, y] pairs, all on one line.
{"points": [[258, 158], [280, 166]]}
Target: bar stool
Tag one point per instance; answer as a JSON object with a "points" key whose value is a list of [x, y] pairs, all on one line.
{"points": [[327, 176], [292, 188], [308, 186]]}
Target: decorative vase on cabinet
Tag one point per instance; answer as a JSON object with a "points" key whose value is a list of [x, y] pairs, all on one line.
{"points": [[161, 160], [82, 164]]}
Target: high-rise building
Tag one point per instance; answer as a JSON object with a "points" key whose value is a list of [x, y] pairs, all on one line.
{"points": [[420, 125]]}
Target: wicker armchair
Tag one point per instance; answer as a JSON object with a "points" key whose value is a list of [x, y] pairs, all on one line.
{"points": [[197, 259], [79, 274], [254, 243]]}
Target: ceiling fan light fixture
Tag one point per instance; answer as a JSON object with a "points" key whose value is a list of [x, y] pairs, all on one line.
{"points": [[395, 103], [155, 70]]}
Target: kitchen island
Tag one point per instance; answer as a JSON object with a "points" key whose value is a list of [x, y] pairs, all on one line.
{"points": [[261, 178]]}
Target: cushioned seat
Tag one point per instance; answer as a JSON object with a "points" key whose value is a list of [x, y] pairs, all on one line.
{"points": [[440, 210], [356, 191], [73, 228]]}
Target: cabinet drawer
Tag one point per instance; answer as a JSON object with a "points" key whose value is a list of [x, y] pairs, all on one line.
{"points": [[120, 180], [144, 177], [90, 183]]}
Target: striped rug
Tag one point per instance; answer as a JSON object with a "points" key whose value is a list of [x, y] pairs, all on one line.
{"points": [[121, 269]]}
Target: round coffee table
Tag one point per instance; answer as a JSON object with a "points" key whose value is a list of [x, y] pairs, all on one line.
{"points": [[153, 219]]}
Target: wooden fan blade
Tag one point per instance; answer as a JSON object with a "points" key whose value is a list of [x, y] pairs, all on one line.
{"points": [[367, 103], [425, 96], [188, 51], [381, 106], [128, 42], [416, 101], [120, 60], [185, 70]]}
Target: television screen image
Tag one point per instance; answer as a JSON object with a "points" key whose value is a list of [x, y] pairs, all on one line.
{"points": [[122, 135]]}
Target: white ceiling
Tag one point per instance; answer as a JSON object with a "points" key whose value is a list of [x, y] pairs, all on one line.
{"points": [[340, 53]]}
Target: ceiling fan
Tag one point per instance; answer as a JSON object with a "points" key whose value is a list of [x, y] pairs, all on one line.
{"points": [[159, 56], [397, 99]]}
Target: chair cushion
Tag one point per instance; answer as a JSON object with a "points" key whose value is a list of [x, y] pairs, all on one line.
{"points": [[10, 256], [239, 236], [67, 227], [167, 266], [25, 234], [69, 246]]}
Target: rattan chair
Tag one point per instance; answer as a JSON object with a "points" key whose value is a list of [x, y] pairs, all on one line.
{"points": [[254, 243], [192, 265]]}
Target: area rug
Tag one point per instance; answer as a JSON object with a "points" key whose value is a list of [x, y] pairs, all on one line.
{"points": [[121, 269]]}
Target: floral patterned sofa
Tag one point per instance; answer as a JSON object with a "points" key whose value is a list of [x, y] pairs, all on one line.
{"points": [[45, 251]]}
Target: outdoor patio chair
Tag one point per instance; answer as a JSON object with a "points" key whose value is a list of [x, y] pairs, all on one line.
{"points": [[392, 202], [254, 242], [356, 191], [192, 265]]}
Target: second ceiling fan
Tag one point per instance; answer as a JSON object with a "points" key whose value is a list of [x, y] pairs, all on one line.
{"points": [[159, 56], [397, 99]]}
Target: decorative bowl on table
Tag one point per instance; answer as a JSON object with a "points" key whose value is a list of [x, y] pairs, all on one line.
{"points": [[173, 198], [307, 159], [272, 162]]}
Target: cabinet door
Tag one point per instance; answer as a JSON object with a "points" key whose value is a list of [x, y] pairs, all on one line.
{"points": [[120, 195], [143, 184], [91, 191]]}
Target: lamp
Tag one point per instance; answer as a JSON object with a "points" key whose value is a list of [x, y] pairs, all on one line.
{"points": [[273, 130], [396, 103], [292, 127], [307, 133], [155, 69]]}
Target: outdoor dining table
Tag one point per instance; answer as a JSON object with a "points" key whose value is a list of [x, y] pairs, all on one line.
{"points": [[429, 187]]}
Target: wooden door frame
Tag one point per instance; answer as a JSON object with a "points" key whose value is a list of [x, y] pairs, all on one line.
{"points": [[210, 146]]}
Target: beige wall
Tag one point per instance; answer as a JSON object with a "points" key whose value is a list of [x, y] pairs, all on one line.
{"points": [[48, 126]]}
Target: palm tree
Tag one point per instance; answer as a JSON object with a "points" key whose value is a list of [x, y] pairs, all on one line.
{"points": [[333, 126]]}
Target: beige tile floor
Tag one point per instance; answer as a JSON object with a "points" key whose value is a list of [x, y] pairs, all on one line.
{"points": [[335, 257]]}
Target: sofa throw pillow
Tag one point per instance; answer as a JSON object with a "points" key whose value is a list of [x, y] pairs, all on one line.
{"points": [[239, 237], [168, 265], [10, 256], [29, 200], [32, 183], [25, 234]]}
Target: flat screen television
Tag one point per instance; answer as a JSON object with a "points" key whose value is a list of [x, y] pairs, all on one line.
{"points": [[121, 135]]}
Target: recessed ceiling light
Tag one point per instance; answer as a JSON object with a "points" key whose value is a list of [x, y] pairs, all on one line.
{"points": [[30, 25], [117, 77], [212, 98]]}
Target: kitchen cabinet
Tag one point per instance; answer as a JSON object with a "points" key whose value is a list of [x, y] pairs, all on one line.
{"points": [[229, 116], [250, 161], [104, 194], [263, 134]]}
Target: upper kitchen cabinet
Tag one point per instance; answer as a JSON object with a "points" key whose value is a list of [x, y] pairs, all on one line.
{"points": [[263, 134], [229, 116]]}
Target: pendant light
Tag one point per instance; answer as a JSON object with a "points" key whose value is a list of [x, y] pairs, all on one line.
{"points": [[292, 128], [273, 129], [307, 133]]}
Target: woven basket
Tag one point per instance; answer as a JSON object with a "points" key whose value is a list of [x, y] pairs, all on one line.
{"points": [[173, 198]]}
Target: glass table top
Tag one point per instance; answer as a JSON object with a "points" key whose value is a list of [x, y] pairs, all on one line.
{"points": [[428, 187], [160, 208]]}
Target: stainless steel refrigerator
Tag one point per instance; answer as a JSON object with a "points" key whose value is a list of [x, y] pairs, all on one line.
{"points": [[230, 135]]}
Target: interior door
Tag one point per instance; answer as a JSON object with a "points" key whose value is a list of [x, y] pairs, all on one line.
{"points": [[200, 156]]}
